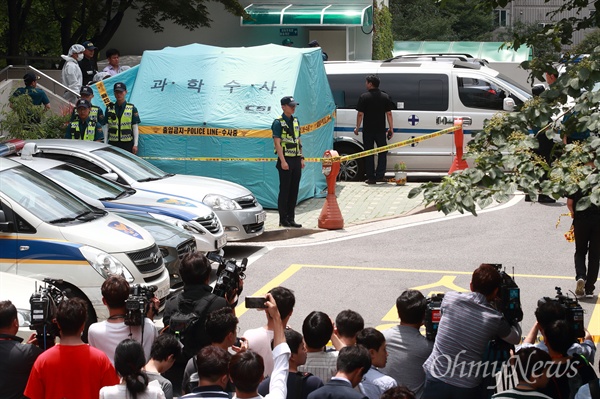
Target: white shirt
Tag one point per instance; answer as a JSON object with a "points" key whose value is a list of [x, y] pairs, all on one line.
{"points": [[259, 341], [153, 391], [106, 336]]}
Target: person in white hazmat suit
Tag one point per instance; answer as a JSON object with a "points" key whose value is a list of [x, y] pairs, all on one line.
{"points": [[71, 73]]}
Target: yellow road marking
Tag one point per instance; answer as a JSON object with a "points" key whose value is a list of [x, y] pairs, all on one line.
{"points": [[277, 281], [445, 281]]}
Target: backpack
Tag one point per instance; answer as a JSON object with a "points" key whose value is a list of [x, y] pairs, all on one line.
{"points": [[187, 324]]}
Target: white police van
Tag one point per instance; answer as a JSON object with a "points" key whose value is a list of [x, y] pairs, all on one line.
{"points": [[46, 232], [427, 95]]}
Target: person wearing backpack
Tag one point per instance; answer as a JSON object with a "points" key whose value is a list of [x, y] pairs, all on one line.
{"points": [[185, 313]]}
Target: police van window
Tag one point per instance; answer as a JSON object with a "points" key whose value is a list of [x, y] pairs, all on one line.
{"points": [[410, 92], [417, 92], [479, 93], [23, 226], [346, 89]]}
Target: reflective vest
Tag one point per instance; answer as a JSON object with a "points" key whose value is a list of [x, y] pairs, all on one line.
{"points": [[90, 130], [93, 113], [289, 139], [119, 129]]}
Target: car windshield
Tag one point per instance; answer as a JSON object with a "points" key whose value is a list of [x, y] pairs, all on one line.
{"points": [[42, 197], [514, 86], [85, 182], [135, 167]]}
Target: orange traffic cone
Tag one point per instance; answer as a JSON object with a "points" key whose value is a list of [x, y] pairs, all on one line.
{"points": [[459, 163], [331, 217]]}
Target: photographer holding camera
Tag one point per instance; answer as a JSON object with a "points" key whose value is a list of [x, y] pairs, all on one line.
{"points": [[106, 335], [16, 358], [469, 322], [196, 300]]}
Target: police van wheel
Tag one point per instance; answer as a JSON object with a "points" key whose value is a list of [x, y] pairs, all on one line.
{"points": [[353, 170]]}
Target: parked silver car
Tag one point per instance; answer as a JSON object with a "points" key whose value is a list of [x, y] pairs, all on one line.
{"points": [[237, 208]]}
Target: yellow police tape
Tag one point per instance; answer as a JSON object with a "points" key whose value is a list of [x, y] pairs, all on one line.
{"points": [[341, 159], [223, 132]]}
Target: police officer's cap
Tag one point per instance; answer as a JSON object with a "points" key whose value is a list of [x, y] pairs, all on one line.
{"points": [[289, 100], [81, 103], [86, 91], [120, 86]]}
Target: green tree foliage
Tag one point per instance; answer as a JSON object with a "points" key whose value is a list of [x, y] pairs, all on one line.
{"points": [[76, 21], [23, 120], [589, 43], [451, 20], [383, 42], [503, 154]]}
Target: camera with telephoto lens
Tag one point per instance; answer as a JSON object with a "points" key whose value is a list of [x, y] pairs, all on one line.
{"points": [[44, 304], [229, 275], [433, 315], [510, 297], [136, 305], [573, 310]]}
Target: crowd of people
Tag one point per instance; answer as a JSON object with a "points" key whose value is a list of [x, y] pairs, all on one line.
{"points": [[122, 360]]}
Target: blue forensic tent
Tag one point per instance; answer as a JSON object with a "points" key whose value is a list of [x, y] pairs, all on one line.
{"points": [[208, 111]]}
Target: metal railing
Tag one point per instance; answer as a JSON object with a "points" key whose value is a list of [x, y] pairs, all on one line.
{"points": [[57, 87]]}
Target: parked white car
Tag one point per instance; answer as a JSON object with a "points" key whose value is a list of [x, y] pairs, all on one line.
{"points": [[238, 210], [427, 96]]}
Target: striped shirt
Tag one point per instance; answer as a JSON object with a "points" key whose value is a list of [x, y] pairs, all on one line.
{"points": [[321, 364], [467, 325]]}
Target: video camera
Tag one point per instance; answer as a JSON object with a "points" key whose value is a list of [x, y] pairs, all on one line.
{"points": [[433, 314], [510, 297], [44, 304], [136, 305], [229, 275], [573, 310]]}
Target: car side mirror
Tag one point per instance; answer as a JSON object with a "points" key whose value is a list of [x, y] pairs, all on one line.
{"points": [[5, 227], [508, 104], [111, 176]]}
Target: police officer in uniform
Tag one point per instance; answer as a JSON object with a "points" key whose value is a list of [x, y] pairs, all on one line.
{"points": [[122, 119], [95, 112], [286, 137], [84, 127]]}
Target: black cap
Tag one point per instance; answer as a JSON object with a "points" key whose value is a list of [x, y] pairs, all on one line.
{"points": [[120, 86], [289, 100], [86, 91], [83, 103], [313, 43], [89, 45], [30, 77]]}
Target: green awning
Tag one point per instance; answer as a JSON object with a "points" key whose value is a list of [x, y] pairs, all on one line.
{"points": [[309, 15], [486, 50]]}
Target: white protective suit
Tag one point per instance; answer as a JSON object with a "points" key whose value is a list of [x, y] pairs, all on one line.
{"points": [[71, 73]]}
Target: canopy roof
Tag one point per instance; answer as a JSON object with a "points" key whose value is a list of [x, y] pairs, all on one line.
{"points": [[325, 14]]}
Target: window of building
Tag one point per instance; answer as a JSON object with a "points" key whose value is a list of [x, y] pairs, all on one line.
{"points": [[500, 18]]}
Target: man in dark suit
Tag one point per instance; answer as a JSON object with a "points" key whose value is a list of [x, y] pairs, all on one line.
{"points": [[353, 362]]}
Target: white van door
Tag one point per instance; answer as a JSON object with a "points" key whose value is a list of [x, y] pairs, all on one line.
{"points": [[422, 103]]}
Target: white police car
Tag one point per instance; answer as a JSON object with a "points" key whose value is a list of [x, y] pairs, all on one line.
{"points": [[192, 216], [238, 210], [47, 232]]}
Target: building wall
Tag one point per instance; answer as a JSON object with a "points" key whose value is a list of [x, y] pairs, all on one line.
{"points": [[225, 31], [536, 12]]}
